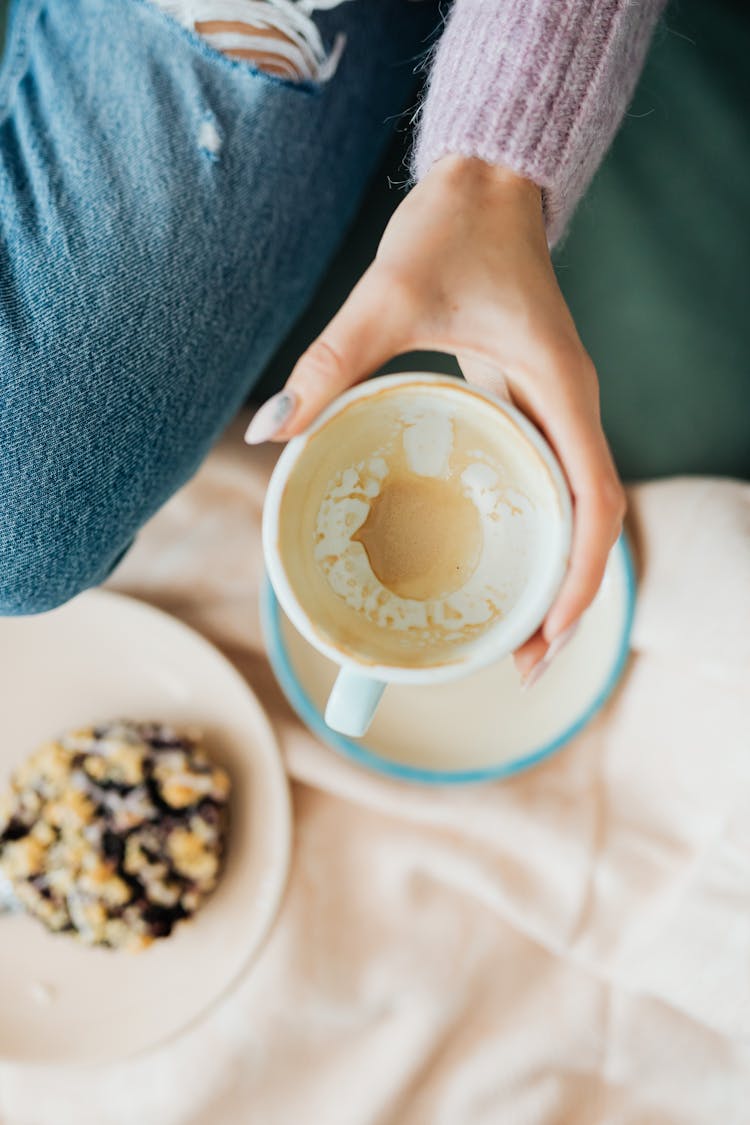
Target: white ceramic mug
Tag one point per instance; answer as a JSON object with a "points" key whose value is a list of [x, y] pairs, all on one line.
{"points": [[494, 478]]}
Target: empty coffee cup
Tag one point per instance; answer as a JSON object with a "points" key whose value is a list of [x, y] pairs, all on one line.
{"points": [[418, 530]]}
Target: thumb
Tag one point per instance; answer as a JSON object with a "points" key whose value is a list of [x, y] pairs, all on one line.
{"points": [[368, 329]]}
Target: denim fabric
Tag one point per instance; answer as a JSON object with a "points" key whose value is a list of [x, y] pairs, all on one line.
{"points": [[165, 214]]}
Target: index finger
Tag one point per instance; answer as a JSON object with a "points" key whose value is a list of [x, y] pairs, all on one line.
{"points": [[368, 329]]}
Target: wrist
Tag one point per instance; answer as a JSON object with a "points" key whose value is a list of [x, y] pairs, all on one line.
{"points": [[476, 176]]}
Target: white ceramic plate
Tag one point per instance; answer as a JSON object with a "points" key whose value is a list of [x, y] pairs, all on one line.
{"points": [[479, 728], [102, 657]]}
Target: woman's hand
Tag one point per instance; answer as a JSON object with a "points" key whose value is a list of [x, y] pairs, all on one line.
{"points": [[463, 267]]}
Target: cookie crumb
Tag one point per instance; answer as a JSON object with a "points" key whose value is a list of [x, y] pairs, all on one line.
{"points": [[42, 994]]}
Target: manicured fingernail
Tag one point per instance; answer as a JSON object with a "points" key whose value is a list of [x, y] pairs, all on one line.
{"points": [[554, 649], [534, 675], [271, 417], [560, 642]]}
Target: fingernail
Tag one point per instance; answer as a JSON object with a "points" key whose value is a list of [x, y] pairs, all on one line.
{"points": [[560, 642], [556, 646], [534, 675], [271, 417]]}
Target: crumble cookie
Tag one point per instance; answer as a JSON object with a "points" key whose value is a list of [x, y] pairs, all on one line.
{"points": [[115, 833]]}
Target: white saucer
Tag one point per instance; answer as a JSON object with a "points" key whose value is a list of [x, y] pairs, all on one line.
{"points": [[102, 657], [484, 726]]}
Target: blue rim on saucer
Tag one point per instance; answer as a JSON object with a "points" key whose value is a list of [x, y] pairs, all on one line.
{"points": [[306, 709]]}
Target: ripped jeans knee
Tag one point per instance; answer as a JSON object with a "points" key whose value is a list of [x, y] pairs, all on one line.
{"points": [[277, 36]]}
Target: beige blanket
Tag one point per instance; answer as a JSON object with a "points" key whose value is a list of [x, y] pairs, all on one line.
{"points": [[568, 948]]}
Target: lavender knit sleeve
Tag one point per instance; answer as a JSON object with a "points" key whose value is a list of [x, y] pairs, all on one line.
{"points": [[538, 86]]}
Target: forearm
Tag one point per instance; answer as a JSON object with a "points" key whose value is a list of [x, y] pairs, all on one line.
{"points": [[537, 86]]}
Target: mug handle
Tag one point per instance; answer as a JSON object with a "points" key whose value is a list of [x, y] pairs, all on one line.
{"points": [[352, 703]]}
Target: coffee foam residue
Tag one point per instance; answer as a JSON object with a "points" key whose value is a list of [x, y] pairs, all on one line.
{"points": [[427, 439], [423, 444]]}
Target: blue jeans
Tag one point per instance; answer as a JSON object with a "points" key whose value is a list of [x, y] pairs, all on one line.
{"points": [[165, 215]]}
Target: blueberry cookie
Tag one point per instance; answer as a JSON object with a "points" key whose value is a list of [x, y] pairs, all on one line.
{"points": [[115, 833]]}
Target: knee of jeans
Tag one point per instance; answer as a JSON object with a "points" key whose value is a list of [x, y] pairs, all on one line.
{"points": [[43, 562], [272, 35]]}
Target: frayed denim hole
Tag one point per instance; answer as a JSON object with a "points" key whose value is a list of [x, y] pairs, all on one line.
{"points": [[244, 67]]}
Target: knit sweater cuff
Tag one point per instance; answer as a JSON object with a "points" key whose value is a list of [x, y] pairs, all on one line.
{"points": [[538, 86]]}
